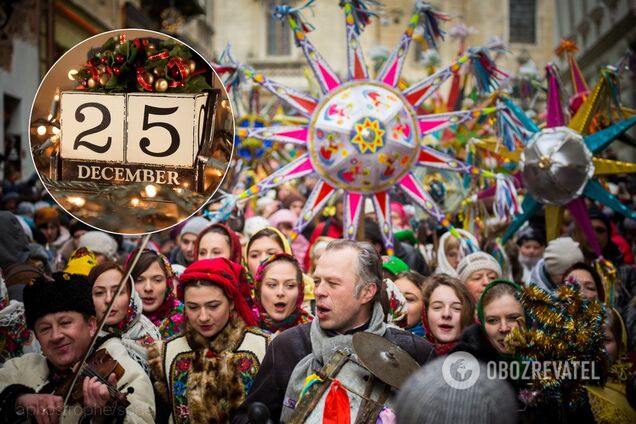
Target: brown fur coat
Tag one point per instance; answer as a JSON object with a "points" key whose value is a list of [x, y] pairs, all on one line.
{"points": [[214, 383]]}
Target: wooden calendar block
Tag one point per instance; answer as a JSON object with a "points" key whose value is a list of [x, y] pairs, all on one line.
{"points": [[135, 137], [93, 126], [163, 129]]}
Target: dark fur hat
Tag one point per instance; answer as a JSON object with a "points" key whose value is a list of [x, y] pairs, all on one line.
{"points": [[63, 292]]}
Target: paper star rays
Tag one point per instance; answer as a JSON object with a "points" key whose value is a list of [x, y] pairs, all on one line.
{"points": [[364, 134]]}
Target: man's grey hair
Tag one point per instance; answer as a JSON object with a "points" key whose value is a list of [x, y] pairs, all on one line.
{"points": [[368, 265]]}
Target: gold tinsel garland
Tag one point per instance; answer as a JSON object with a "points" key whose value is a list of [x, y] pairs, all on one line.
{"points": [[563, 327]]}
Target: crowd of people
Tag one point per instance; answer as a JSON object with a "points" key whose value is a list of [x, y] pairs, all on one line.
{"points": [[236, 322]]}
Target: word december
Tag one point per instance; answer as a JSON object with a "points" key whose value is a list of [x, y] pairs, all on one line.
{"points": [[139, 175]]}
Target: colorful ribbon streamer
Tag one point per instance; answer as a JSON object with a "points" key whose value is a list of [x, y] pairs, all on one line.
{"points": [[430, 21], [337, 409], [284, 11], [484, 70], [361, 12], [309, 381]]}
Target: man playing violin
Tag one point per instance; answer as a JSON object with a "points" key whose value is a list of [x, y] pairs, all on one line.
{"points": [[61, 313]]}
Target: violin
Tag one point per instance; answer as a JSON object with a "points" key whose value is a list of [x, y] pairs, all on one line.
{"points": [[101, 365]]}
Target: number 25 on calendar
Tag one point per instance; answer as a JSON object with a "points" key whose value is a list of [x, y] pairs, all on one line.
{"points": [[137, 128]]}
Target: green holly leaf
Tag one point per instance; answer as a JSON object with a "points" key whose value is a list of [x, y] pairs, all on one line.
{"points": [[132, 53], [167, 44], [179, 50], [157, 63], [110, 44], [114, 83], [123, 49]]}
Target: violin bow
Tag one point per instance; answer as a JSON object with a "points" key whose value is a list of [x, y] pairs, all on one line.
{"points": [[102, 322]]}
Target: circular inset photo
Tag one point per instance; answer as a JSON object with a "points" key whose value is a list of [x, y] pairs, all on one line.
{"points": [[131, 131]]}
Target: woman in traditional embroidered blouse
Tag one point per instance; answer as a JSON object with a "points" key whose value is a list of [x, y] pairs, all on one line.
{"points": [[126, 319], [153, 279], [280, 294], [206, 372]]}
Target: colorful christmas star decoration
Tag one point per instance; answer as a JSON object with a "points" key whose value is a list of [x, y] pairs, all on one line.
{"points": [[364, 134], [558, 164], [247, 148], [610, 106], [368, 135]]}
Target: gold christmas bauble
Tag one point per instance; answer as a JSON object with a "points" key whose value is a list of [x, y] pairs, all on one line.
{"points": [[161, 85], [192, 65], [148, 77], [104, 78]]}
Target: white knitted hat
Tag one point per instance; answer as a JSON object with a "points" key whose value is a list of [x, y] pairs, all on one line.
{"points": [[254, 224], [476, 262], [99, 243], [195, 225], [561, 254]]}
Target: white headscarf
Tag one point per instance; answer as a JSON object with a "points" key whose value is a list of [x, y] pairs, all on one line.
{"points": [[443, 266], [137, 331]]}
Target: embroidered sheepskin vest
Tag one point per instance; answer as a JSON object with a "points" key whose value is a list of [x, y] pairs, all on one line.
{"points": [[206, 380]]}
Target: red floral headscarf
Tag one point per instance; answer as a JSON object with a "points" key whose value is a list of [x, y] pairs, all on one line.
{"points": [[226, 274], [236, 253], [441, 348]]}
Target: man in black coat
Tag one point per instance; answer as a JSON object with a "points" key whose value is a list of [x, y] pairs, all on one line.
{"points": [[347, 278]]}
